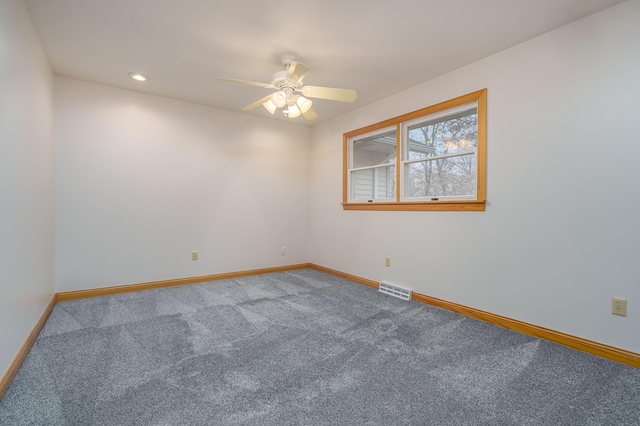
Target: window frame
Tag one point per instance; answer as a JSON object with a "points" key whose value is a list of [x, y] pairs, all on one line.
{"points": [[477, 204]]}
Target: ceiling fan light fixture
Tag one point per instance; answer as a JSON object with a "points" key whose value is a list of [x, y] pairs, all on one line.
{"points": [[293, 111], [303, 103], [279, 99], [270, 106]]}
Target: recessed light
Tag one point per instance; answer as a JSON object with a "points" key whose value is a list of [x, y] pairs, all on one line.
{"points": [[139, 77]]}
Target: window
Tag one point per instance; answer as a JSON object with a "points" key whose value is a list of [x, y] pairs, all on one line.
{"points": [[430, 159]]}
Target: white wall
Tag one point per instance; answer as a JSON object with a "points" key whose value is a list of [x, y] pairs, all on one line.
{"points": [[142, 181], [26, 180], [560, 234]]}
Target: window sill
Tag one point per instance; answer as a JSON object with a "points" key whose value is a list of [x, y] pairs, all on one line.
{"points": [[466, 205]]}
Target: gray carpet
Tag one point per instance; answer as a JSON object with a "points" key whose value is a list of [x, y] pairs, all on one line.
{"points": [[302, 348]]}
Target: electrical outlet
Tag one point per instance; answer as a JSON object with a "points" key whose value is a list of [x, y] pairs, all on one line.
{"points": [[194, 255], [387, 262], [619, 306], [283, 251]]}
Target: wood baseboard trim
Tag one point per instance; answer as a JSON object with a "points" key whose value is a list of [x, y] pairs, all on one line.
{"points": [[346, 276], [15, 365], [105, 291], [589, 346], [584, 345]]}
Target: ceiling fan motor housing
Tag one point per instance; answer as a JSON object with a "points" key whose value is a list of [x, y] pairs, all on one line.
{"points": [[280, 81]]}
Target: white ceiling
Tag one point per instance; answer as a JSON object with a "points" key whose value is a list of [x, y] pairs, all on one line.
{"points": [[373, 46]]}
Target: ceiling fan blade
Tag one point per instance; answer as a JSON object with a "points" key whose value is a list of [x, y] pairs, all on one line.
{"points": [[256, 103], [331, 93], [296, 72], [310, 115], [250, 83]]}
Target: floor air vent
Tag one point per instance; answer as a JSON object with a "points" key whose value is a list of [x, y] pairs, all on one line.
{"points": [[392, 290]]}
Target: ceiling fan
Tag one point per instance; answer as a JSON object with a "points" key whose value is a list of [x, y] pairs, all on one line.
{"points": [[288, 83]]}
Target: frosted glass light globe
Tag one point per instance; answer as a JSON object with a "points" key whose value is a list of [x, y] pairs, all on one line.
{"points": [[279, 99]]}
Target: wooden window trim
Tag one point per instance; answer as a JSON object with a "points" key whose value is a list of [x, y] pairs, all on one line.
{"points": [[478, 204]]}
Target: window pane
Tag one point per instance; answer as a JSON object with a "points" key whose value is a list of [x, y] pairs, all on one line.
{"points": [[372, 184], [449, 176], [379, 149], [447, 135]]}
